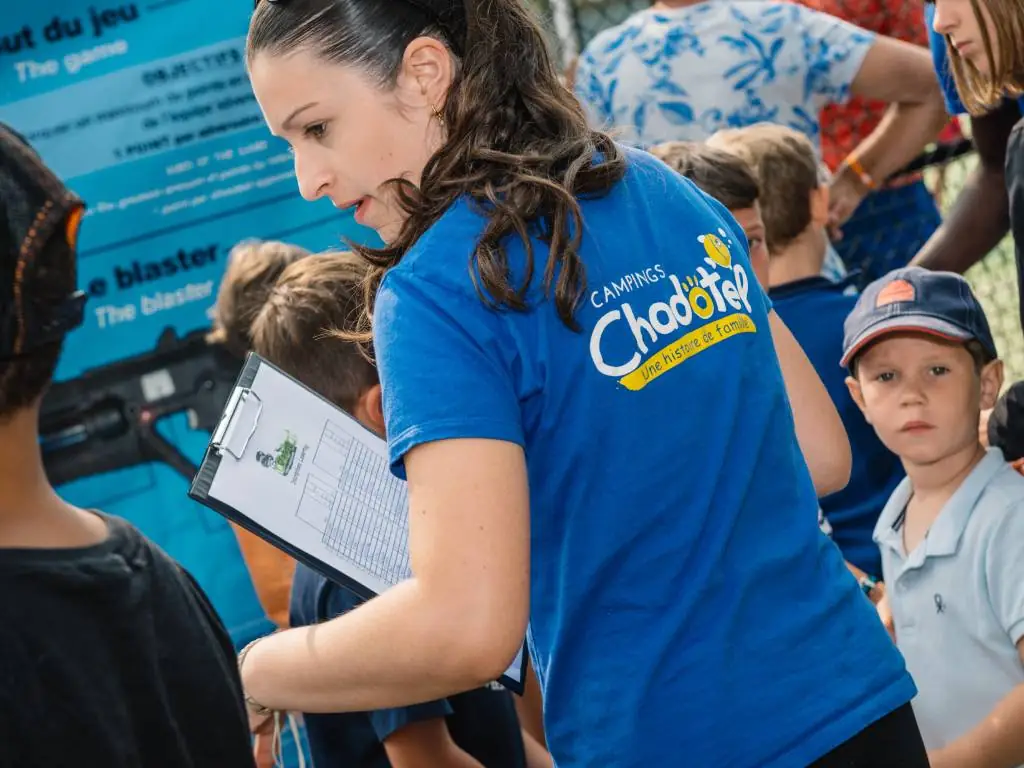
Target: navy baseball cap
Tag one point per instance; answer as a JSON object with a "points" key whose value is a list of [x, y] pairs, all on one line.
{"points": [[915, 299]]}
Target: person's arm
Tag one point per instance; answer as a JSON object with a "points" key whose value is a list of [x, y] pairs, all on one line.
{"points": [[900, 74], [996, 742], [980, 217], [454, 626], [536, 755], [530, 706], [884, 609], [426, 744], [455, 430], [530, 711], [819, 430]]}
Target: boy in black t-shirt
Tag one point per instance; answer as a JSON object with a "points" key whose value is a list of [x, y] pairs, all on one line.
{"points": [[312, 297], [112, 655]]}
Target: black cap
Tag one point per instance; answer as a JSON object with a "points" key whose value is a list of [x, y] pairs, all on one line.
{"points": [[915, 299], [35, 208]]}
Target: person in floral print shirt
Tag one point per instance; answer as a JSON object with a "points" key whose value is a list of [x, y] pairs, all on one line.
{"points": [[682, 70]]}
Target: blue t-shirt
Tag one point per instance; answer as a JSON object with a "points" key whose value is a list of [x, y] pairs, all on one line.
{"points": [[940, 58], [682, 596], [814, 310], [482, 722]]}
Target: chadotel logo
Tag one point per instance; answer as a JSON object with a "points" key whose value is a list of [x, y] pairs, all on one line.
{"points": [[716, 297]]}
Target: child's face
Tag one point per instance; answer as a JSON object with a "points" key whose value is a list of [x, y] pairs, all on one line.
{"points": [[957, 20], [753, 226], [923, 396]]}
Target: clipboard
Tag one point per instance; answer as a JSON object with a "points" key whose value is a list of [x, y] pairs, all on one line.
{"points": [[294, 469]]}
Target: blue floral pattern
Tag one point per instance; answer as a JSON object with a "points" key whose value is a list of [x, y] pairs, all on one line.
{"points": [[684, 73]]}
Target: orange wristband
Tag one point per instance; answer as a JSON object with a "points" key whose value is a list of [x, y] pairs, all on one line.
{"points": [[853, 162]]}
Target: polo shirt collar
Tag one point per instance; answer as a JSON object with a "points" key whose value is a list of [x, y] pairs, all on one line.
{"points": [[887, 533], [944, 536]]}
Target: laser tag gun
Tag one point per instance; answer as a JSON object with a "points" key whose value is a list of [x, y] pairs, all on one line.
{"points": [[106, 418]]}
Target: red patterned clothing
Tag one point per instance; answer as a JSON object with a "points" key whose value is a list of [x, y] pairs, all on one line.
{"points": [[843, 127]]}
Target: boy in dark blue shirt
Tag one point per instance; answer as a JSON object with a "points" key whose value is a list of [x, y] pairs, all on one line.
{"points": [[794, 207], [313, 297]]}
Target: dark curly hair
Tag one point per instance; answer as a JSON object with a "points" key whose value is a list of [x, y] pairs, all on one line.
{"points": [[517, 142]]}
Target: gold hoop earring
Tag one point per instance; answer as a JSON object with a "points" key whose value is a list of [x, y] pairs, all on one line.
{"points": [[439, 116]]}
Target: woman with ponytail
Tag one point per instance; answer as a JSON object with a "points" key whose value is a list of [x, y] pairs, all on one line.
{"points": [[584, 386]]}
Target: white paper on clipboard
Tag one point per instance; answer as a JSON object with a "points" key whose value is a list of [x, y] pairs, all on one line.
{"points": [[304, 471]]}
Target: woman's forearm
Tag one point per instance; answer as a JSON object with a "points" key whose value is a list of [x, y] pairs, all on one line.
{"points": [[398, 649]]}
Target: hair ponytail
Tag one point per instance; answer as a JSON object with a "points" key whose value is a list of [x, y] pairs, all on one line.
{"points": [[517, 141]]}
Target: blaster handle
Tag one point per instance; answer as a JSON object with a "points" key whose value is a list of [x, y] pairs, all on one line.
{"points": [[156, 448]]}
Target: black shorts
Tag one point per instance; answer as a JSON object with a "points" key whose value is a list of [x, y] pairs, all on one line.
{"points": [[892, 742]]}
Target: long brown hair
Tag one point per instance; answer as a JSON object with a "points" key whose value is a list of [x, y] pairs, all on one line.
{"points": [[980, 92], [517, 143]]}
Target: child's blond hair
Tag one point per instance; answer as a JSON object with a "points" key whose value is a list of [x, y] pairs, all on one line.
{"points": [[253, 268], [298, 328], [788, 172]]}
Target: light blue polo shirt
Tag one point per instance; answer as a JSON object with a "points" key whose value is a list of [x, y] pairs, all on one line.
{"points": [[958, 599]]}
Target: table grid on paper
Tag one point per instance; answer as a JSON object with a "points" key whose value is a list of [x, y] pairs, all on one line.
{"points": [[370, 526]]}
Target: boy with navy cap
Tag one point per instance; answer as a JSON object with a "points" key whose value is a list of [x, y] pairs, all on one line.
{"points": [[922, 366]]}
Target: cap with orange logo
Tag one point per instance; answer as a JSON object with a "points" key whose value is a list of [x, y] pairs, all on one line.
{"points": [[914, 299]]}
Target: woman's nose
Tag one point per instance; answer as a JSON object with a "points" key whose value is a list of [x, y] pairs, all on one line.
{"points": [[314, 179]]}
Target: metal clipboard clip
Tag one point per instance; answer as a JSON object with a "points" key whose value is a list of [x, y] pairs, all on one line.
{"points": [[242, 412]]}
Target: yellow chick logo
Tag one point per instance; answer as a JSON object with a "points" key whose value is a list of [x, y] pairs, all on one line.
{"points": [[716, 248]]}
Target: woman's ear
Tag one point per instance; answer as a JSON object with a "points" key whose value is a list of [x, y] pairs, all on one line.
{"points": [[819, 206], [426, 74]]}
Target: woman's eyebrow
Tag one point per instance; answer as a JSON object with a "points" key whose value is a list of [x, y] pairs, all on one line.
{"points": [[286, 125]]}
